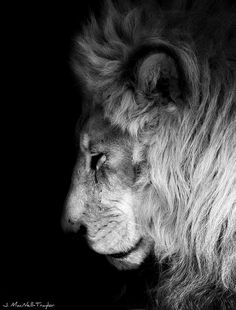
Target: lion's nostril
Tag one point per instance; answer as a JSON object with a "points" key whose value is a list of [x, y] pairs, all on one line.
{"points": [[69, 224]]}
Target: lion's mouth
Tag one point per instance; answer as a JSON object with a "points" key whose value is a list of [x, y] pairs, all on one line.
{"points": [[124, 254]]}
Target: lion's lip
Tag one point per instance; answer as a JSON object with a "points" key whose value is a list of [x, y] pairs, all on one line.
{"points": [[124, 254]]}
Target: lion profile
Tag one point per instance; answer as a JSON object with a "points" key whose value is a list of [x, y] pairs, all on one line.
{"points": [[157, 164]]}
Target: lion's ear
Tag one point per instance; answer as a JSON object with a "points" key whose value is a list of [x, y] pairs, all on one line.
{"points": [[158, 78]]}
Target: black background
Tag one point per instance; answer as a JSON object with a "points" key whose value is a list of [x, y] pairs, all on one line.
{"points": [[40, 261]]}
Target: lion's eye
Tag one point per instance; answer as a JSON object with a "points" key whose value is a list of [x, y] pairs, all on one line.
{"points": [[97, 160]]}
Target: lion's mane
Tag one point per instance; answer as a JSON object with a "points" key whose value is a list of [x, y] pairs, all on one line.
{"points": [[190, 141]]}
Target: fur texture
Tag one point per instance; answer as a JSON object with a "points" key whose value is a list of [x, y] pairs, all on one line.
{"points": [[167, 76]]}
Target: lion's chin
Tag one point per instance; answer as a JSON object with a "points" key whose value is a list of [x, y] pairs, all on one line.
{"points": [[132, 258], [126, 255]]}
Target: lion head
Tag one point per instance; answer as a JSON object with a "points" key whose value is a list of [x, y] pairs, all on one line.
{"points": [[157, 167], [104, 196]]}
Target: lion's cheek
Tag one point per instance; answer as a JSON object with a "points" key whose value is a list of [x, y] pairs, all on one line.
{"points": [[113, 235], [110, 240]]}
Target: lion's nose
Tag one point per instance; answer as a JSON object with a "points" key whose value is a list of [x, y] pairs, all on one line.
{"points": [[69, 223], [74, 208]]}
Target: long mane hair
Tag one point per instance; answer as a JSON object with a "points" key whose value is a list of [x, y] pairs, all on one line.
{"points": [[190, 207]]}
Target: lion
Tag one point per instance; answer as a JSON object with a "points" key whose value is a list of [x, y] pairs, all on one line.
{"points": [[157, 164]]}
